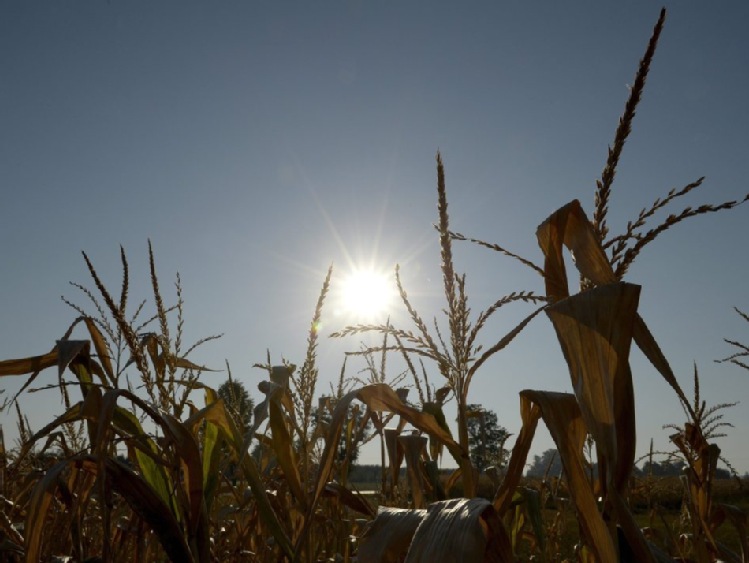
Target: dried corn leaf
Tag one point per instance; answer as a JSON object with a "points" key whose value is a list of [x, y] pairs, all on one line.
{"points": [[133, 489], [531, 498], [38, 505], [431, 468], [186, 447], [594, 329], [211, 458], [703, 458], [282, 442], [277, 400], [646, 342], [380, 397], [12, 540], [150, 342], [395, 453], [85, 410], [61, 355], [147, 453], [452, 479], [355, 501], [184, 363], [148, 506], [564, 420], [529, 415], [10, 530], [569, 226], [100, 345], [76, 355], [279, 378], [414, 447], [33, 364], [436, 410]]}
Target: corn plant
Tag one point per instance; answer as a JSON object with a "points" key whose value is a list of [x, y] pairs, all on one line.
{"points": [[459, 358], [596, 328]]}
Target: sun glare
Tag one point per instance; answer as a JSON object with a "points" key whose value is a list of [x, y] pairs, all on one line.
{"points": [[367, 294]]}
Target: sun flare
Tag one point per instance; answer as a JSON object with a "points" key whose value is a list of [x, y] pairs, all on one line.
{"points": [[367, 294]]}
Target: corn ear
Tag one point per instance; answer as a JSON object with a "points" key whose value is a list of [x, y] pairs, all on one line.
{"points": [[388, 537], [459, 530]]}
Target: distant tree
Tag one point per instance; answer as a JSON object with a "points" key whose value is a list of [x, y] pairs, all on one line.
{"points": [[665, 468], [366, 475], [486, 438], [674, 468], [353, 432], [238, 402], [548, 463]]}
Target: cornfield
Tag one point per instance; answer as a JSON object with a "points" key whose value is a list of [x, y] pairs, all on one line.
{"points": [[134, 470]]}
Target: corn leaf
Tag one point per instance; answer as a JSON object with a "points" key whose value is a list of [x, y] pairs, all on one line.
{"points": [[102, 352], [529, 415], [145, 449], [563, 418], [187, 448], [215, 413], [14, 537], [31, 364], [414, 447], [740, 521], [211, 456], [532, 500], [594, 329], [435, 409], [70, 350], [433, 475], [380, 397], [395, 453], [283, 443], [212, 441], [148, 505], [518, 522], [83, 410], [569, 226], [38, 505], [353, 500]]}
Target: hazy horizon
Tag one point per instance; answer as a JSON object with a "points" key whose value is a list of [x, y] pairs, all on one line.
{"points": [[255, 145]]}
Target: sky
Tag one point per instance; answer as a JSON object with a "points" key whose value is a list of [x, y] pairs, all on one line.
{"points": [[257, 143]]}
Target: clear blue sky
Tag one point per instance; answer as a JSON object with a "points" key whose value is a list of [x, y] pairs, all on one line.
{"points": [[255, 143]]}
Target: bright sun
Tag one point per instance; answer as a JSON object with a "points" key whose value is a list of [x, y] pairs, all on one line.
{"points": [[367, 294]]}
